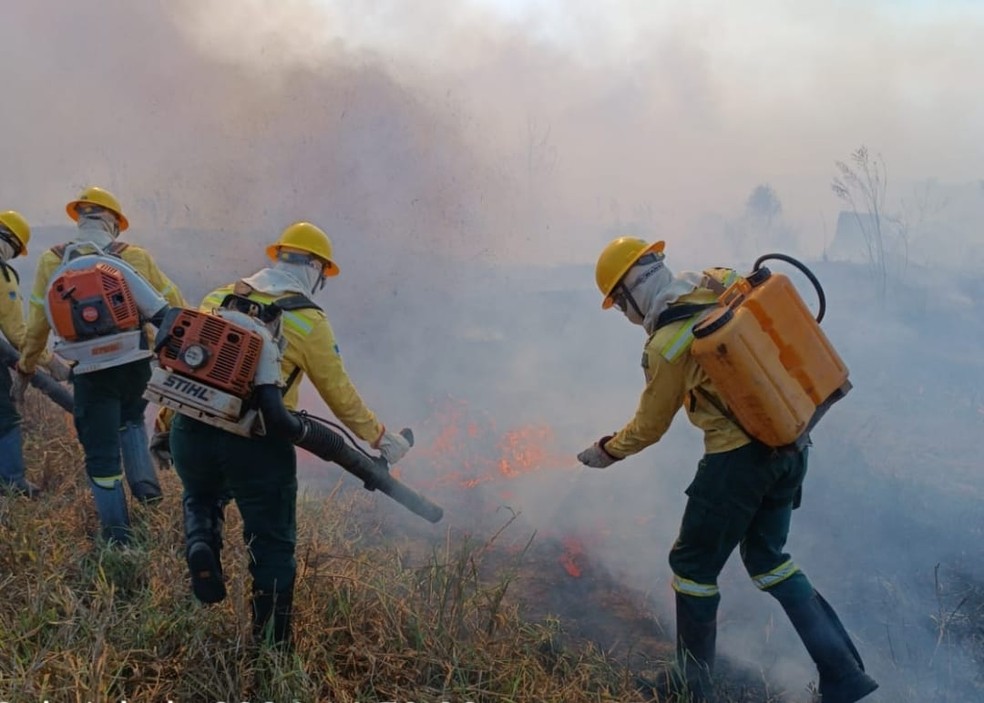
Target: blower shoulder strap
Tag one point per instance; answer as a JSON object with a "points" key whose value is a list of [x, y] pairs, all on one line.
{"points": [[116, 248], [675, 313], [9, 271], [296, 302], [242, 290]]}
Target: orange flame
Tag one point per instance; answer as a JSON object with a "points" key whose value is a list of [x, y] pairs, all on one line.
{"points": [[470, 452], [573, 549]]}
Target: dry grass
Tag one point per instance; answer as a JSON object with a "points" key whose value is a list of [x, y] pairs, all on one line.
{"points": [[79, 622]]}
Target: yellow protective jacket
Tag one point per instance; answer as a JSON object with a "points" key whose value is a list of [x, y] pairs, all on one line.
{"points": [[12, 311], [311, 349], [38, 328], [673, 378]]}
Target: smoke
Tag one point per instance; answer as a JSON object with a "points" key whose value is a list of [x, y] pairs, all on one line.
{"points": [[470, 159]]}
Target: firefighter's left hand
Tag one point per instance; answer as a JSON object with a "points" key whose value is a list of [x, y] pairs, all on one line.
{"points": [[19, 386], [596, 457]]}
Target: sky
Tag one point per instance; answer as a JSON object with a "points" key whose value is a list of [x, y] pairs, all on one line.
{"points": [[554, 124], [455, 150]]}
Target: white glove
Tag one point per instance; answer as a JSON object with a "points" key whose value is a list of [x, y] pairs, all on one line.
{"points": [[20, 383], [596, 457], [393, 446], [59, 370], [160, 450]]}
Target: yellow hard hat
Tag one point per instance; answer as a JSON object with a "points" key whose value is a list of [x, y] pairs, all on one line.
{"points": [[94, 195], [303, 236], [15, 222], [615, 261]]}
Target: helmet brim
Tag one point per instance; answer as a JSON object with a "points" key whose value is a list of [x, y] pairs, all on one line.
{"points": [[73, 213]]}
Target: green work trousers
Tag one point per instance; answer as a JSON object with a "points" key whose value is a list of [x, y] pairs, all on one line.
{"points": [[260, 474], [105, 402], [741, 498]]}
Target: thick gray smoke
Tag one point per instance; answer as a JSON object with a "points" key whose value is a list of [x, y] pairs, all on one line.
{"points": [[471, 159]]}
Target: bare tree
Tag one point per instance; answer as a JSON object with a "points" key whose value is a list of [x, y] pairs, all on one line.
{"points": [[861, 185]]}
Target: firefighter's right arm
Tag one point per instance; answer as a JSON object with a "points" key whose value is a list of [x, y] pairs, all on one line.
{"points": [[662, 398], [321, 361], [38, 329]]}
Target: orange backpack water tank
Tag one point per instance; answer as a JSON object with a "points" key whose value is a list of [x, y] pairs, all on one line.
{"points": [[768, 358]]}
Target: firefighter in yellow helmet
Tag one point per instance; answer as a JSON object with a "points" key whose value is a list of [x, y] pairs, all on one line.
{"points": [[109, 407], [15, 233], [260, 473], [743, 493]]}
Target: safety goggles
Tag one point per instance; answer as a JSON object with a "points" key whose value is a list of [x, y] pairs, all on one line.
{"points": [[7, 236], [620, 296], [92, 210], [297, 257]]}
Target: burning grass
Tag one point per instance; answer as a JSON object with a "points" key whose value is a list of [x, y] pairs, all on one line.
{"points": [[375, 620], [387, 610]]}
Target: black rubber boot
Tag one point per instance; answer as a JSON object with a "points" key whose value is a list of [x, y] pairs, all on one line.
{"points": [[842, 676], [203, 520], [696, 642], [272, 613], [690, 678], [113, 515]]}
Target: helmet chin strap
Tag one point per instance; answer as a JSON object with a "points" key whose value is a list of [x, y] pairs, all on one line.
{"points": [[631, 301]]}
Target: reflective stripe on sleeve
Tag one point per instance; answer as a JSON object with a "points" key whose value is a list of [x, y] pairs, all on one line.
{"points": [[292, 319], [681, 340]]}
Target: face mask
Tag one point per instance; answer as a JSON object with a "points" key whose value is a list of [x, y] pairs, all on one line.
{"points": [[99, 228], [304, 267], [7, 250]]}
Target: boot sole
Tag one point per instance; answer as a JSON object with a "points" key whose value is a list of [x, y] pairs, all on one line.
{"points": [[206, 578]]}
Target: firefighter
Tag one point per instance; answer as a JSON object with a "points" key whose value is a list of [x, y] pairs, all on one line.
{"points": [[743, 493], [15, 233], [109, 407], [260, 473]]}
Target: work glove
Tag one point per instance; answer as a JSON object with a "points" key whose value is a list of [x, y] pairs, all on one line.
{"points": [[160, 449], [596, 457], [59, 370], [19, 386], [394, 445]]}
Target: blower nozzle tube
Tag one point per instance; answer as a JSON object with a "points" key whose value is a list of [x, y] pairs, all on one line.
{"points": [[326, 444]]}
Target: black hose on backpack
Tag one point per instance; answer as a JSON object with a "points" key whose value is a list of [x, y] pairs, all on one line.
{"points": [[802, 267], [309, 434]]}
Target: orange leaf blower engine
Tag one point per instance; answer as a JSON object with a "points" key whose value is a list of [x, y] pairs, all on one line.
{"points": [[96, 304], [92, 302], [210, 364]]}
